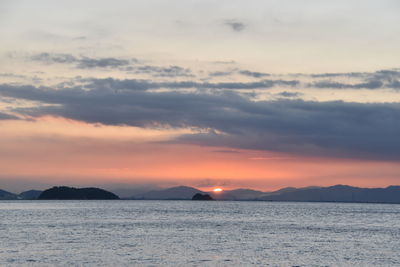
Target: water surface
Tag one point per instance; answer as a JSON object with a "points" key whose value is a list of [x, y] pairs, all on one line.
{"points": [[186, 233]]}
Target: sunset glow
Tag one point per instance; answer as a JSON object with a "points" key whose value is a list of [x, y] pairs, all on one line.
{"points": [[199, 132], [235, 97]]}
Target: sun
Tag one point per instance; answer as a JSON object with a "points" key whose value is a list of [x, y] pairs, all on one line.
{"points": [[217, 190]]}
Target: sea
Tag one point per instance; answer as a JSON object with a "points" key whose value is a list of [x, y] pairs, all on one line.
{"points": [[202, 233]]}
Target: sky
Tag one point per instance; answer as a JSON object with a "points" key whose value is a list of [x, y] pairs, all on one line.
{"points": [[234, 94]]}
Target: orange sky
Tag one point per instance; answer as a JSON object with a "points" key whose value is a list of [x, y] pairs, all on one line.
{"points": [[50, 151]]}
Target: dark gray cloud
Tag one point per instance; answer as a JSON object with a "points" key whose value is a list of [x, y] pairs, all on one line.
{"points": [[12, 75], [81, 62], [366, 80], [221, 73], [170, 71], [54, 58], [248, 73], [339, 74], [89, 63], [381, 79], [362, 80], [235, 25], [84, 62], [339, 129], [381, 75], [394, 84], [373, 84], [335, 129], [289, 94], [386, 75], [135, 84], [254, 74], [330, 84], [6, 116]]}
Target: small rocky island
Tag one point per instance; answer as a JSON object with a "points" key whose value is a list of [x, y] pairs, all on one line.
{"points": [[199, 196], [70, 193]]}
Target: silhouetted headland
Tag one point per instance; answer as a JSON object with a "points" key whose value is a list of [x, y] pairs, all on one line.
{"points": [[172, 193], [199, 196], [70, 193], [337, 193], [5, 195], [30, 195]]}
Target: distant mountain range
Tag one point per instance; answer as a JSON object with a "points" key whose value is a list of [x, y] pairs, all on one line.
{"points": [[340, 193], [31, 194], [27, 195], [173, 193], [186, 193], [337, 193]]}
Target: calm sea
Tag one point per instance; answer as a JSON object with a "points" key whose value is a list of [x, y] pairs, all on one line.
{"points": [[186, 233]]}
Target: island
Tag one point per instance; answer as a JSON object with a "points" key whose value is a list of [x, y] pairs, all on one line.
{"points": [[70, 193], [199, 196]]}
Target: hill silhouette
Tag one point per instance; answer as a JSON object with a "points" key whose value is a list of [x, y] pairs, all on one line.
{"points": [[337, 193], [5, 195], [340, 193], [173, 193], [199, 196], [70, 193], [30, 194]]}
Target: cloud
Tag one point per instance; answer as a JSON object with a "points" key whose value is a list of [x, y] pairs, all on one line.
{"points": [[254, 74], [170, 71], [382, 75], [54, 58], [226, 118], [235, 25], [382, 79], [137, 84], [333, 129], [365, 80], [394, 84], [338, 74], [6, 116], [220, 73], [84, 62], [225, 62], [386, 75], [81, 62], [248, 73], [289, 94], [12, 75], [89, 63], [373, 84]]}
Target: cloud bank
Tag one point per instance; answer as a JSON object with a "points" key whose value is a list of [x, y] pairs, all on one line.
{"points": [[227, 118]]}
